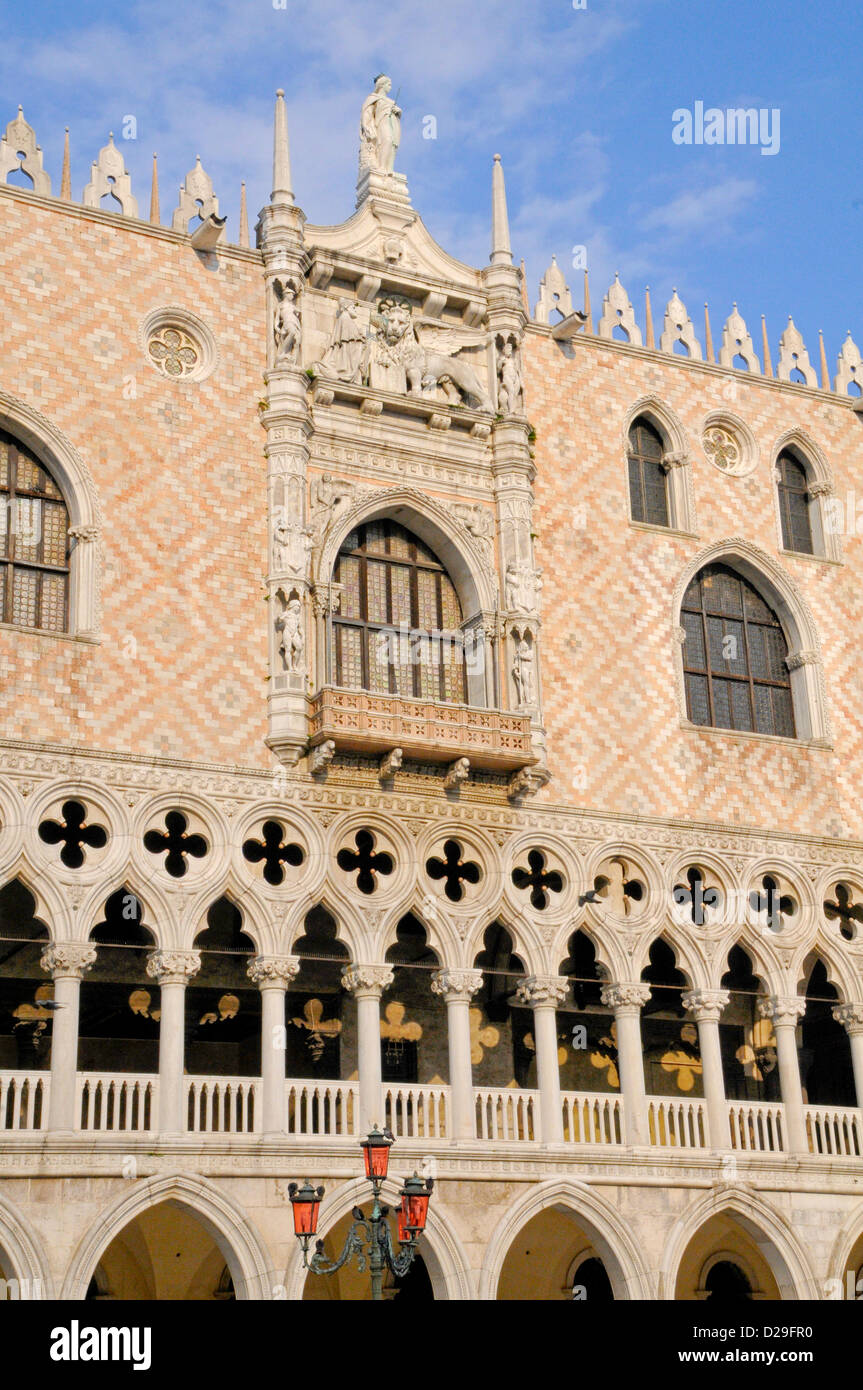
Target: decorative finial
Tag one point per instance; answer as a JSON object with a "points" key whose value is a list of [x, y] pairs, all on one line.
{"points": [[825, 376], [66, 176], [768, 365], [649, 339], [588, 316], [154, 195], [501, 251], [243, 239], [282, 187], [708, 336], [524, 299]]}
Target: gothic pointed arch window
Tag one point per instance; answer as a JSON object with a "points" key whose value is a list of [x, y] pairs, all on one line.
{"points": [[795, 504], [648, 474], [34, 542], [735, 656], [398, 627]]}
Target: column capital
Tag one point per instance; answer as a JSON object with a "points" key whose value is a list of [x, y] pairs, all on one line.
{"points": [[705, 1004], [366, 981], [273, 970], [173, 967], [850, 1016], [68, 959], [621, 995], [456, 984], [537, 990], [781, 1008]]}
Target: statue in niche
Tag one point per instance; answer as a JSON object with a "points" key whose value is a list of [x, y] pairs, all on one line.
{"points": [[291, 545], [522, 585], [380, 128], [510, 392], [344, 356], [290, 625], [419, 355], [523, 672], [330, 497], [287, 328]]}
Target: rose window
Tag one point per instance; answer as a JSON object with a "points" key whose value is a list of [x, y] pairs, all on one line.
{"points": [[173, 352]]}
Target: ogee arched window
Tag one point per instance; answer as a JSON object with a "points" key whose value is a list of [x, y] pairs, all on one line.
{"points": [[34, 544], [397, 630], [734, 656]]}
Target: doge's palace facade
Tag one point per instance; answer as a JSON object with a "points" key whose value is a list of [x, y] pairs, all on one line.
{"points": [[418, 711]]}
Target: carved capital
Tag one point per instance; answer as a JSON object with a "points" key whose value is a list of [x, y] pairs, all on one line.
{"points": [[173, 967], [801, 659], [675, 460], [366, 980], [821, 488], [850, 1016], [456, 984], [537, 990], [273, 970], [84, 534], [624, 997], [68, 959], [705, 1004], [781, 1009]]}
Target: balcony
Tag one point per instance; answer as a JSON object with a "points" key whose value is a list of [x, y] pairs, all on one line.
{"points": [[329, 1110], [428, 731]]}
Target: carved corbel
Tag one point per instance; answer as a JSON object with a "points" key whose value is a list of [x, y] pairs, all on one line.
{"points": [[456, 773], [390, 764], [321, 756]]}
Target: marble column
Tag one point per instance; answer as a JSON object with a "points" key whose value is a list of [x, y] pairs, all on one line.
{"points": [[172, 970], [67, 962], [784, 1011], [626, 1000], [458, 988], [543, 993], [272, 975], [851, 1018], [706, 1006], [367, 983]]}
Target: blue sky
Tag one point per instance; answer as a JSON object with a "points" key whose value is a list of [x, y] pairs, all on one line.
{"points": [[578, 102]]}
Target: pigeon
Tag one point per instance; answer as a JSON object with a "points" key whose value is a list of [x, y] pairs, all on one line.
{"points": [[591, 896]]}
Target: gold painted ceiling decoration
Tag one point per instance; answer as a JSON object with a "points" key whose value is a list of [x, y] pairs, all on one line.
{"points": [[684, 1061], [228, 1007], [396, 1032], [481, 1038], [529, 1043], [140, 1001], [319, 1029], [605, 1055]]}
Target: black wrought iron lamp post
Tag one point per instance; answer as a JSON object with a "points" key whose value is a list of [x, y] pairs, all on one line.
{"points": [[369, 1236]]}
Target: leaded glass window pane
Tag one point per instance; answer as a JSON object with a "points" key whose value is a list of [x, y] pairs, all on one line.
{"points": [[648, 483], [398, 604], [794, 505], [747, 683], [34, 564]]}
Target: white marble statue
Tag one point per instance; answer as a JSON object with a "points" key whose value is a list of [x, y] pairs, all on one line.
{"points": [[510, 394], [287, 329], [343, 357], [292, 644], [419, 354], [380, 128], [523, 673], [291, 545]]}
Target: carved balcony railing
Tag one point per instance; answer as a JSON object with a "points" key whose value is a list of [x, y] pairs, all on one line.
{"points": [[417, 1112], [757, 1126], [429, 731], [592, 1118], [677, 1124], [834, 1130]]}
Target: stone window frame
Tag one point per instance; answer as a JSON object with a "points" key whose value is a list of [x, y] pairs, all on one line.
{"points": [[805, 663], [59, 456], [174, 316], [825, 537], [677, 455]]}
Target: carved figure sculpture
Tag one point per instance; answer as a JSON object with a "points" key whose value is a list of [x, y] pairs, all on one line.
{"points": [[380, 128], [510, 395], [290, 545], [292, 644], [343, 357], [479, 521], [522, 585], [330, 497], [287, 328], [523, 673], [415, 354]]}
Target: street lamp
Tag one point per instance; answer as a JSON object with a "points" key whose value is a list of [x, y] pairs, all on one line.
{"points": [[369, 1236]]}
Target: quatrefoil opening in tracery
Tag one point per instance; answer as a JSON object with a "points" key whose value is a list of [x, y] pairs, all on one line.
{"points": [[173, 352], [726, 450]]}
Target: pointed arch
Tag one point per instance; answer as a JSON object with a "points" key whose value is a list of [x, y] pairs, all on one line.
{"points": [[676, 457], [617, 1247], [244, 1250], [22, 1254], [769, 1229], [779, 591], [822, 509]]}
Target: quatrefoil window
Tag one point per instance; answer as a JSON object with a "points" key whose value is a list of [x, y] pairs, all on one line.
{"points": [[454, 869], [173, 352], [844, 910], [540, 880], [175, 844], [619, 891], [74, 833], [772, 904], [365, 861], [274, 852], [695, 899]]}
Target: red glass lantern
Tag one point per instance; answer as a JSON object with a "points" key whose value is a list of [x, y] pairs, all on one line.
{"points": [[376, 1154], [306, 1203], [414, 1208]]}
